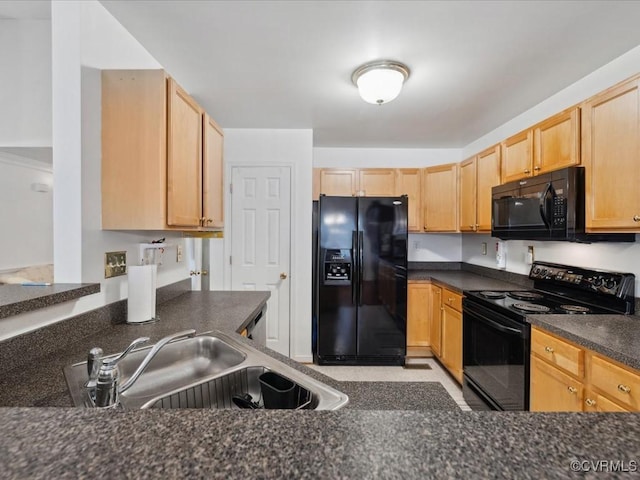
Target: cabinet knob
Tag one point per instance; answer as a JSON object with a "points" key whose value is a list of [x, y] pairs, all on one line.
{"points": [[536, 168], [636, 218], [572, 390], [527, 171], [548, 349], [590, 403], [624, 388], [209, 220]]}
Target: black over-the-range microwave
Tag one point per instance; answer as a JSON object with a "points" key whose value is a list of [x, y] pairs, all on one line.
{"points": [[545, 207]]}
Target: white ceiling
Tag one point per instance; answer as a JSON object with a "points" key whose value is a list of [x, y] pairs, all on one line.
{"points": [[288, 64]]}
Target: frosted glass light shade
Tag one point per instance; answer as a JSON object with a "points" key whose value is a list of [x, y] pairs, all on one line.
{"points": [[380, 82]]}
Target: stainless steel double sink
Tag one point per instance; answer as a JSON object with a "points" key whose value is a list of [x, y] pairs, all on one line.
{"points": [[205, 371]]}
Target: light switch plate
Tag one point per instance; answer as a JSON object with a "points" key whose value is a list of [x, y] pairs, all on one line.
{"points": [[115, 264]]}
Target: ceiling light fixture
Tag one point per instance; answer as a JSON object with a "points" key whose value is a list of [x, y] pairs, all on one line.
{"points": [[380, 82]]}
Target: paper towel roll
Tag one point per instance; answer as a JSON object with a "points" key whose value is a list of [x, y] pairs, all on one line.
{"points": [[141, 304]]}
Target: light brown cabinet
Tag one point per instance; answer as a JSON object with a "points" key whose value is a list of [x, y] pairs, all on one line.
{"points": [[376, 182], [551, 144], [435, 320], [568, 377], [408, 182], [440, 198], [418, 308], [451, 354], [610, 152], [155, 173], [212, 174], [478, 175], [338, 182]]}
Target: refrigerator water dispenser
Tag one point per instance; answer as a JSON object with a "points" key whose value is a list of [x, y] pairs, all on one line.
{"points": [[337, 267]]}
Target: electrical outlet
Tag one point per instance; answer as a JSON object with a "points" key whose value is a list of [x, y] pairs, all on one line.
{"points": [[115, 264], [416, 245], [179, 253], [529, 256], [484, 248]]}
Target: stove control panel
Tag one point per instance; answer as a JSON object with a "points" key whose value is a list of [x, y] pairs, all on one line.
{"points": [[609, 283]]}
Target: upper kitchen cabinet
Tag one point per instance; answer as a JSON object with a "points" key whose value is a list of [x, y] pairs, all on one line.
{"points": [[338, 182], [468, 182], [610, 152], [556, 142], [517, 156], [161, 155], [550, 145], [440, 198], [488, 176], [212, 174], [408, 182], [184, 159], [376, 182]]}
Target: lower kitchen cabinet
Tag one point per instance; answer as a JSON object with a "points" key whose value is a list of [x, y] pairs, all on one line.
{"points": [[418, 308], [451, 347], [568, 377], [435, 320]]}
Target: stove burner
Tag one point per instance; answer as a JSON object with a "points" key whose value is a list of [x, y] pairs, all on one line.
{"points": [[525, 295], [493, 295], [531, 308], [574, 309]]}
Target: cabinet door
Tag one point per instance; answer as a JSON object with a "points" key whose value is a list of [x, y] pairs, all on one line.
{"points": [[212, 174], [440, 198], [610, 153], [618, 383], [517, 156], [315, 188], [556, 142], [468, 182], [452, 341], [552, 390], [339, 183], [418, 309], [134, 156], [376, 182], [488, 175], [184, 158], [435, 320], [408, 182]]}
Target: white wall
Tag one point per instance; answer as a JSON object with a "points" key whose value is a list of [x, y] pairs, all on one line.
{"points": [[623, 257], [615, 71], [326, 157], [26, 215], [25, 83], [283, 147], [85, 35], [620, 257]]}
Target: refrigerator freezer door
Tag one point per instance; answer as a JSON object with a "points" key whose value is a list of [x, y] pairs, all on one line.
{"points": [[382, 296], [337, 278]]}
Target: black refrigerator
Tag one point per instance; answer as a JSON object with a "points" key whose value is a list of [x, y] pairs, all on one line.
{"points": [[360, 301]]}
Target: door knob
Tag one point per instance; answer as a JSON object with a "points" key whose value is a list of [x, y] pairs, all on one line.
{"points": [[283, 276]]}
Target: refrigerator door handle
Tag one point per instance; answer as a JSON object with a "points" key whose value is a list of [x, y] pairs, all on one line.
{"points": [[354, 276], [360, 266]]}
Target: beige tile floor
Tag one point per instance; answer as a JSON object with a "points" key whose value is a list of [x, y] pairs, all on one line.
{"points": [[396, 374]]}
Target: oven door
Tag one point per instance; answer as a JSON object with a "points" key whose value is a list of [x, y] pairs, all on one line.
{"points": [[495, 358]]}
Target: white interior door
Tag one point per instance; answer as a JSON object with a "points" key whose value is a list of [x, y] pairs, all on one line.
{"points": [[261, 242]]}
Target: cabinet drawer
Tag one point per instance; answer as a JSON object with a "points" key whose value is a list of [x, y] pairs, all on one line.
{"points": [[597, 403], [617, 383], [453, 299], [558, 352]]}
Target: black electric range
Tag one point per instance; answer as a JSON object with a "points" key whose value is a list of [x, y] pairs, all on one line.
{"points": [[496, 336]]}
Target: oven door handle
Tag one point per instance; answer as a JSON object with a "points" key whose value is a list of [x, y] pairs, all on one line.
{"points": [[499, 327]]}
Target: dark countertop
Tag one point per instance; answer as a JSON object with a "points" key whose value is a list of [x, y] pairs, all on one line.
{"points": [[69, 443], [355, 442], [16, 299], [461, 280], [616, 336]]}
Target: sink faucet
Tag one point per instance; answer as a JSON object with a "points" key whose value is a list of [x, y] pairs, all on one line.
{"points": [[104, 374]]}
